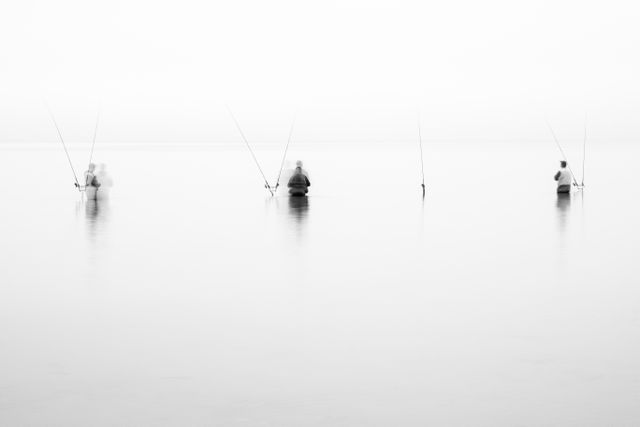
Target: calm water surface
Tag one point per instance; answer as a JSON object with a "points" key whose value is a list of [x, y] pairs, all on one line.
{"points": [[191, 297]]}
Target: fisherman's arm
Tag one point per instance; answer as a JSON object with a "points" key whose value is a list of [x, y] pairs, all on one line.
{"points": [[557, 176]]}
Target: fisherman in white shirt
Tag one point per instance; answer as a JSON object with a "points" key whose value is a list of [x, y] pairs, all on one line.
{"points": [[564, 178]]}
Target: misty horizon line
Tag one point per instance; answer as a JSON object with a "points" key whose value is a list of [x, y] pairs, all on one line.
{"points": [[263, 143]]}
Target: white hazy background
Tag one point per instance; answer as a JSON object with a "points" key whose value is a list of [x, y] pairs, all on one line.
{"points": [[162, 71]]}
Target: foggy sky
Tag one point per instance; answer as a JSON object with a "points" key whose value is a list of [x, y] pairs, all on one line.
{"points": [[354, 70]]}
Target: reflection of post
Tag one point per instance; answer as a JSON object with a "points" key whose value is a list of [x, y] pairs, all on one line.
{"points": [[563, 203]]}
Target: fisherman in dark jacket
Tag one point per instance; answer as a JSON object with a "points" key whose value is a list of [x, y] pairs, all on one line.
{"points": [[298, 183]]}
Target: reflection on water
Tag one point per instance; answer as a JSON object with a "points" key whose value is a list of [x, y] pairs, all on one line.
{"points": [[563, 204], [96, 215], [298, 209], [228, 288]]}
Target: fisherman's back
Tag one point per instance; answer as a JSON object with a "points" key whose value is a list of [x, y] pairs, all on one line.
{"points": [[298, 184], [564, 179]]}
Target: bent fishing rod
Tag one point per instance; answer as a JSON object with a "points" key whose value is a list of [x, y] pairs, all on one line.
{"points": [[564, 157], [424, 189], [64, 146], [266, 183], [284, 156]]}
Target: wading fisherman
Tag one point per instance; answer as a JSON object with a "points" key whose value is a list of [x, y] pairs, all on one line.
{"points": [[299, 165], [91, 182], [299, 183], [564, 178]]}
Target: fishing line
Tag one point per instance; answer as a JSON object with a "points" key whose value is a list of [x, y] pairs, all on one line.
{"points": [[564, 157], [95, 133], [64, 146], [267, 186], [584, 148], [421, 156], [284, 156]]}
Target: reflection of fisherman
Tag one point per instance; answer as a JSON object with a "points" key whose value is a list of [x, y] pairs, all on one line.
{"points": [[91, 182], [564, 178], [298, 183]]}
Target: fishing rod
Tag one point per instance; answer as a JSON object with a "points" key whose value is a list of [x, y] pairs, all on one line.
{"points": [[584, 149], [95, 133], [424, 190], [266, 183], [64, 146], [284, 156], [564, 157]]}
